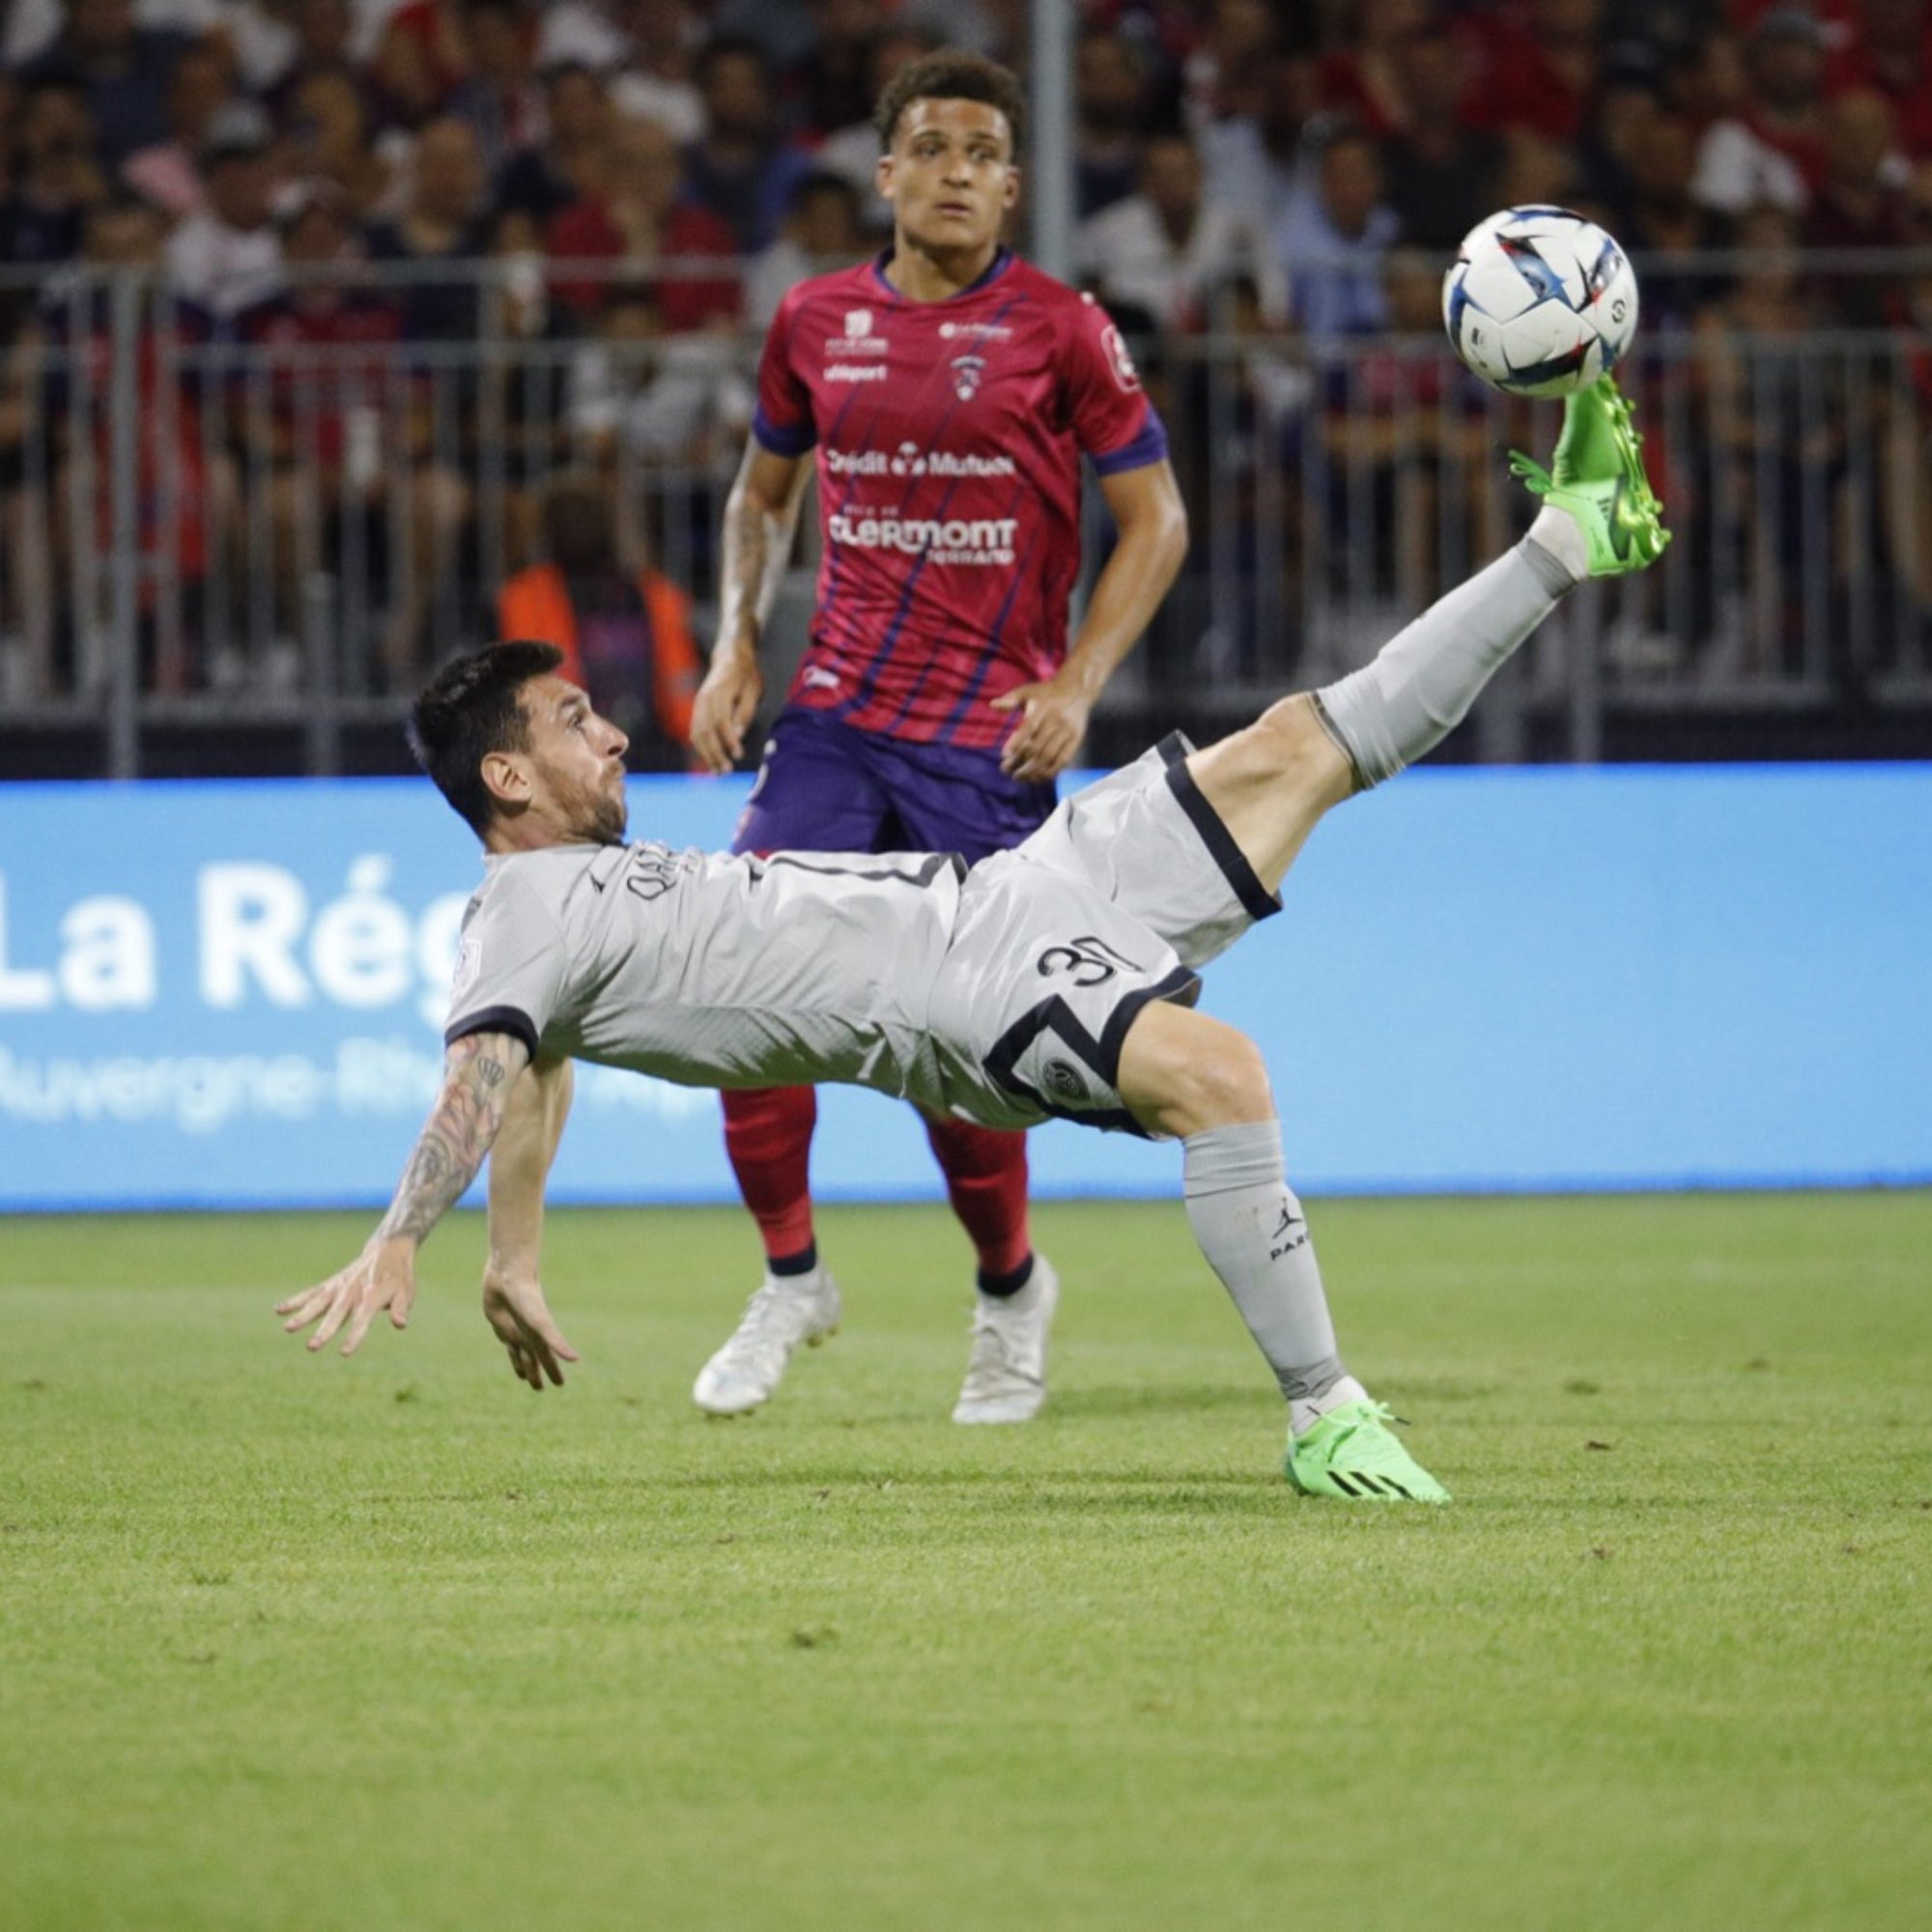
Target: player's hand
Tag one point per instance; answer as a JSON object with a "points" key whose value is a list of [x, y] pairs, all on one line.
{"points": [[725, 704], [383, 1275], [1053, 724], [516, 1310]]}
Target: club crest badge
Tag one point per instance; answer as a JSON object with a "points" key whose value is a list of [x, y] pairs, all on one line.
{"points": [[967, 374]]}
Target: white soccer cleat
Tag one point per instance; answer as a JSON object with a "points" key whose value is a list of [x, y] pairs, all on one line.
{"points": [[1005, 1379], [787, 1309]]}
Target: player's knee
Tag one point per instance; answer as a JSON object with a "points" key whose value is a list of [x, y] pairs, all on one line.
{"points": [[1298, 744], [1183, 1073], [1229, 1082]]}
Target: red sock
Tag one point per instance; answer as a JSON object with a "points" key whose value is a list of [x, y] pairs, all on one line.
{"points": [[768, 1135], [986, 1182]]}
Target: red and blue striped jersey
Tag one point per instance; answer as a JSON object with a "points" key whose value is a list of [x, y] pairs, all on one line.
{"points": [[949, 437]]}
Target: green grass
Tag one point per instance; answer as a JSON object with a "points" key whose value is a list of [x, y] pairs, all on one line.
{"points": [[288, 1641]]}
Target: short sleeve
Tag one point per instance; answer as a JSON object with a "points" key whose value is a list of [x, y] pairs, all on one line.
{"points": [[783, 419], [509, 962], [1111, 419]]}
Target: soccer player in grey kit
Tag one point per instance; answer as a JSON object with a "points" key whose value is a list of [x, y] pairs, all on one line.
{"points": [[1054, 979]]}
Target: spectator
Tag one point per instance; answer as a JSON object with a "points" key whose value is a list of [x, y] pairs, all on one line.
{"points": [[1628, 101], [1258, 160], [1893, 54], [1443, 172], [633, 218], [821, 232], [1110, 94], [181, 491], [739, 169], [1777, 428], [1660, 220], [1540, 75], [331, 138], [321, 46], [625, 631], [500, 97], [443, 219], [573, 158], [678, 404], [335, 426], [515, 435], [581, 33], [123, 68], [1393, 450], [169, 174], [1773, 151], [415, 67], [227, 255], [781, 30], [852, 152], [656, 83], [1164, 247], [58, 180], [1220, 76], [1332, 241], [1705, 80], [830, 88], [1364, 82], [1860, 200]]}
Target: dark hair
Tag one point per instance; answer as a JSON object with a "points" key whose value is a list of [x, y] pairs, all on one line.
{"points": [[730, 47], [950, 75], [822, 181], [470, 708]]}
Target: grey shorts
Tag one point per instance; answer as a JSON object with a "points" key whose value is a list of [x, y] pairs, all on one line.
{"points": [[1115, 900]]}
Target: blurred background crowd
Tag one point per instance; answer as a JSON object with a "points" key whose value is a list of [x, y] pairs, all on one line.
{"points": [[323, 322]]}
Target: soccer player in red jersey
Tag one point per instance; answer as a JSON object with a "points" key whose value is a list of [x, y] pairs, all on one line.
{"points": [[946, 393]]}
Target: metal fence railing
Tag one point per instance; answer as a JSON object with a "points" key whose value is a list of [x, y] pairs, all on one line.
{"points": [[281, 530]]}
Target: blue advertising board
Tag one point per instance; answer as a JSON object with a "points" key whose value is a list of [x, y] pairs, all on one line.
{"points": [[231, 994]]}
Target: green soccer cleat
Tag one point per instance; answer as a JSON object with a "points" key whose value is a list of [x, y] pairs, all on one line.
{"points": [[1350, 1451], [1597, 474]]}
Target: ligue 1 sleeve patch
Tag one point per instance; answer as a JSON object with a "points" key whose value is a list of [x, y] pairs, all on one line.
{"points": [[468, 966], [1121, 363]]}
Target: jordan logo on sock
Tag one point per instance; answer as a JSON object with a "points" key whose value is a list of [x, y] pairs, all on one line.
{"points": [[1290, 1235]]}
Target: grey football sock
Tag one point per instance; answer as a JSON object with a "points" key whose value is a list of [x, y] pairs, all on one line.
{"points": [[1421, 684], [1250, 1228]]}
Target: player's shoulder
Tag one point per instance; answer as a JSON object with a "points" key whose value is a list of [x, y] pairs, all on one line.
{"points": [[539, 882], [1026, 282], [837, 289]]}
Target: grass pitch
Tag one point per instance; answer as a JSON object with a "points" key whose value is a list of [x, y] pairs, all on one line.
{"points": [[286, 1641]]}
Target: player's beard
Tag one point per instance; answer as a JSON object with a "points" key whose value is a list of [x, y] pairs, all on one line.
{"points": [[602, 813], [608, 817]]}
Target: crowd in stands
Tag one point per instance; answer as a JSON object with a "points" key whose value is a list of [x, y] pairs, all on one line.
{"points": [[652, 173]]}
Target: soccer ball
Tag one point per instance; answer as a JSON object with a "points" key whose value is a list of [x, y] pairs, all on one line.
{"points": [[1539, 301]]}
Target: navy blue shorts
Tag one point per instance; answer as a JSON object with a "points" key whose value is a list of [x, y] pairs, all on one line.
{"points": [[826, 787]]}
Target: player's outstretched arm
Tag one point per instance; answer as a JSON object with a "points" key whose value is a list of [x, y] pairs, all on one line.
{"points": [[1153, 523], [478, 1075], [761, 519], [520, 1164]]}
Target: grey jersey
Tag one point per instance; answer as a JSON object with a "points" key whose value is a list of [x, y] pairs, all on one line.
{"points": [[1005, 998], [713, 971]]}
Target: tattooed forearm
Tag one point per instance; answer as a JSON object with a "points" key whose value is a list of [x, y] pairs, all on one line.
{"points": [[460, 1127], [757, 538]]}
